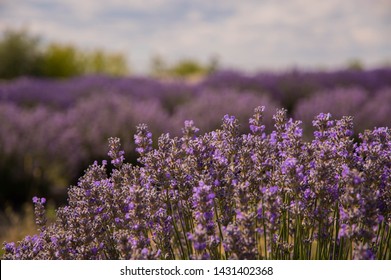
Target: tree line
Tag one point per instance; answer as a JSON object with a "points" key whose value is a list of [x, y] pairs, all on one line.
{"points": [[24, 54]]}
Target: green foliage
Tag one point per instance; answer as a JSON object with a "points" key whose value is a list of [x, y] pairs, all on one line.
{"points": [[187, 67], [62, 61], [100, 62], [19, 54], [158, 66], [355, 64], [23, 55], [67, 60], [184, 68]]}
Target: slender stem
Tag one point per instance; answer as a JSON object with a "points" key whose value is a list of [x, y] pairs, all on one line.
{"points": [[318, 247], [381, 235], [388, 241], [184, 230], [259, 250], [179, 240], [336, 229], [219, 227], [264, 232], [299, 239], [175, 226]]}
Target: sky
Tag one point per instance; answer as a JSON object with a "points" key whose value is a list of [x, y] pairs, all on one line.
{"points": [[247, 35]]}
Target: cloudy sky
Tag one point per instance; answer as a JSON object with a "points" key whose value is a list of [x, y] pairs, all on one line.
{"points": [[246, 34]]}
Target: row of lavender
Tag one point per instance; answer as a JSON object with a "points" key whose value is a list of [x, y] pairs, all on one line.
{"points": [[287, 88], [227, 195], [304, 94], [51, 130]]}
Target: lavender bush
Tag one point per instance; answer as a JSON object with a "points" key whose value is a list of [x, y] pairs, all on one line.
{"points": [[208, 106], [37, 147], [289, 87], [339, 102], [369, 110], [63, 94], [227, 195], [44, 150], [377, 110]]}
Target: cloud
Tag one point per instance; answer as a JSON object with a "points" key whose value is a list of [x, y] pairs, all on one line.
{"points": [[246, 34]]}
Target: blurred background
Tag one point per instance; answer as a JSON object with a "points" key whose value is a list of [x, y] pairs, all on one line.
{"points": [[247, 35], [73, 73]]}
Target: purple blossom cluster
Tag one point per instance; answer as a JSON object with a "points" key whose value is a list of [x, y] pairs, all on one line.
{"points": [[228, 195]]}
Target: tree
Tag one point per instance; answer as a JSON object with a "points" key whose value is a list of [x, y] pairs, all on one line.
{"points": [[185, 68], [20, 54], [158, 66], [100, 62], [355, 64], [62, 61]]}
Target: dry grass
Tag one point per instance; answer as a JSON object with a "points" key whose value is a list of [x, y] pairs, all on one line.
{"points": [[14, 226]]}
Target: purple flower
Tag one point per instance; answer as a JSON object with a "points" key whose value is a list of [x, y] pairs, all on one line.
{"points": [[94, 251]]}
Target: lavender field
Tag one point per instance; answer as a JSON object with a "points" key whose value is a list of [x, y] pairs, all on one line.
{"points": [[205, 176]]}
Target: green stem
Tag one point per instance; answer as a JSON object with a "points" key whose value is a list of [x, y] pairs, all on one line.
{"points": [[318, 247], [388, 241], [257, 239], [381, 235], [219, 227], [184, 230], [175, 226], [264, 233], [336, 229]]}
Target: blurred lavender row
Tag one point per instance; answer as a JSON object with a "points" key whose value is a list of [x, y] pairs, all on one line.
{"points": [[50, 130], [286, 87]]}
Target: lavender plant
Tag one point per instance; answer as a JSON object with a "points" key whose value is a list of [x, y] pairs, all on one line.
{"points": [[208, 106], [76, 116], [227, 195], [376, 111], [339, 102]]}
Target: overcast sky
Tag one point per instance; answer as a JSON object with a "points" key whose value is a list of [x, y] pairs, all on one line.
{"points": [[245, 34]]}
